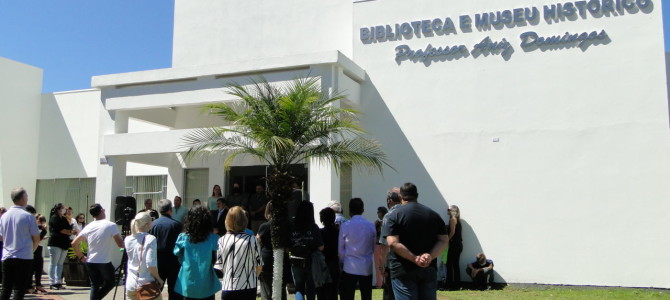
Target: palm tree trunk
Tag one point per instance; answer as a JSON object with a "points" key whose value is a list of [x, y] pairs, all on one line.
{"points": [[279, 190], [277, 271]]}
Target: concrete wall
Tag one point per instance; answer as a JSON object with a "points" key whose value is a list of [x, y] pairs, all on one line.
{"points": [[214, 31], [559, 158], [20, 89], [69, 134], [69, 131]]}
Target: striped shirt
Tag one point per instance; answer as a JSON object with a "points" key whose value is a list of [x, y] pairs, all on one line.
{"points": [[239, 254]]}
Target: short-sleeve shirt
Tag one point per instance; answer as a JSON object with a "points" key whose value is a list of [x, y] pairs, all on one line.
{"points": [[196, 277], [100, 237], [382, 237], [475, 264], [17, 228], [417, 227], [255, 202], [239, 254], [178, 213], [236, 200], [304, 242], [140, 275]]}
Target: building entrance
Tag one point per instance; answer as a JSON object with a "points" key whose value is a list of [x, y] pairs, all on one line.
{"points": [[248, 176]]}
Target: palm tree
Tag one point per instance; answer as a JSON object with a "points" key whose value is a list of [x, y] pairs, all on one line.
{"points": [[281, 126]]}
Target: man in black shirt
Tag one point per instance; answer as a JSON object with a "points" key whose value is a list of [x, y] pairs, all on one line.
{"points": [[416, 235], [481, 272], [257, 203], [166, 230]]}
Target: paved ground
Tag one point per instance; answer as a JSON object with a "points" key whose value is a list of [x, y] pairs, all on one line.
{"points": [[79, 293]]}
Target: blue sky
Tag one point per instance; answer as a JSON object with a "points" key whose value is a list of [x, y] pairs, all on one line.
{"points": [[72, 40]]}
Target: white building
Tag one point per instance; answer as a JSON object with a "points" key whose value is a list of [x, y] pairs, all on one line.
{"points": [[552, 135]]}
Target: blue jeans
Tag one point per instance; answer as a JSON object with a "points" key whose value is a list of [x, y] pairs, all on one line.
{"points": [[102, 279], [58, 256], [417, 284], [304, 283]]}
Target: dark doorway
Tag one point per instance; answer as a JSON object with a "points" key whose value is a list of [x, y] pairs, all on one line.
{"points": [[247, 177]]}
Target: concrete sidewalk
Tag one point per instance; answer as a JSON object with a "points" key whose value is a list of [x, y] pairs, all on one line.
{"points": [[80, 293], [77, 293]]}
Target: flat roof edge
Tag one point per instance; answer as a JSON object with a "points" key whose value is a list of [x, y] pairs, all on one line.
{"points": [[232, 68]]}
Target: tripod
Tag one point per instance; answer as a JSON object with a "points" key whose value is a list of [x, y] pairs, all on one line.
{"points": [[120, 271]]}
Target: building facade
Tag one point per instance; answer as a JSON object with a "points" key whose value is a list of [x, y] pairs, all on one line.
{"points": [[546, 123]]}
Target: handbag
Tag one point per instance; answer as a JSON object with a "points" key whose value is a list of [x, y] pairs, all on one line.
{"points": [[148, 291]]}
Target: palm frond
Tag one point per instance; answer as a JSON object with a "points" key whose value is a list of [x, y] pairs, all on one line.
{"points": [[361, 153], [286, 124]]}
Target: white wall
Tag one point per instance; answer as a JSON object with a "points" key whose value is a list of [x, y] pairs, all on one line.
{"points": [[214, 31], [576, 189], [20, 89], [69, 134]]}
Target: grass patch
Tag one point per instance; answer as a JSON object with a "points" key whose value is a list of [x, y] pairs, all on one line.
{"points": [[545, 292], [557, 292]]}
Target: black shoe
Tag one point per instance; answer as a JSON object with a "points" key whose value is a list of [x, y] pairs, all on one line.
{"points": [[54, 287]]}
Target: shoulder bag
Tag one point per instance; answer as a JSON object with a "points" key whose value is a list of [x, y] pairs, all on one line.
{"points": [[150, 290]]}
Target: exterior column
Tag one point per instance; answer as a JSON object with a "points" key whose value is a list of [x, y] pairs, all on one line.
{"points": [[111, 178], [175, 178], [324, 186], [111, 182]]}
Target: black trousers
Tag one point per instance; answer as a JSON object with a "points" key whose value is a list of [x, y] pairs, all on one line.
{"points": [[248, 294], [453, 268], [348, 286], [265, 281], [38, 263], [168, 269], [16, 277], [208, 298], [329, 291], [387, 286], [102, 279]]}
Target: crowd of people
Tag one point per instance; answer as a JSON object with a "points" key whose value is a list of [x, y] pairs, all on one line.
{"points": [[226, 245]]}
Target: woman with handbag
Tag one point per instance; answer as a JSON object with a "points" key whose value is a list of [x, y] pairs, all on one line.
{"points": [[196, 250], [240, 258], [142, 279]]}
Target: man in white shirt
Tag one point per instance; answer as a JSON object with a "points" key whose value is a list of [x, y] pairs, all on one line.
{"points": [[21, 236], [99, 234]]}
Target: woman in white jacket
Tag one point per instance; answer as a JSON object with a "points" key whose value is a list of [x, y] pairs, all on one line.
{"points": [[141, 250]]}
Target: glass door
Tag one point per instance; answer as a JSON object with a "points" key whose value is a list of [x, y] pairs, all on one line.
{"points": [[196, 186]]}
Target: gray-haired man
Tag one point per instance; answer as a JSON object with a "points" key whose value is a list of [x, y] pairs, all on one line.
{"points": [[166, 230], [21, 236]]}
